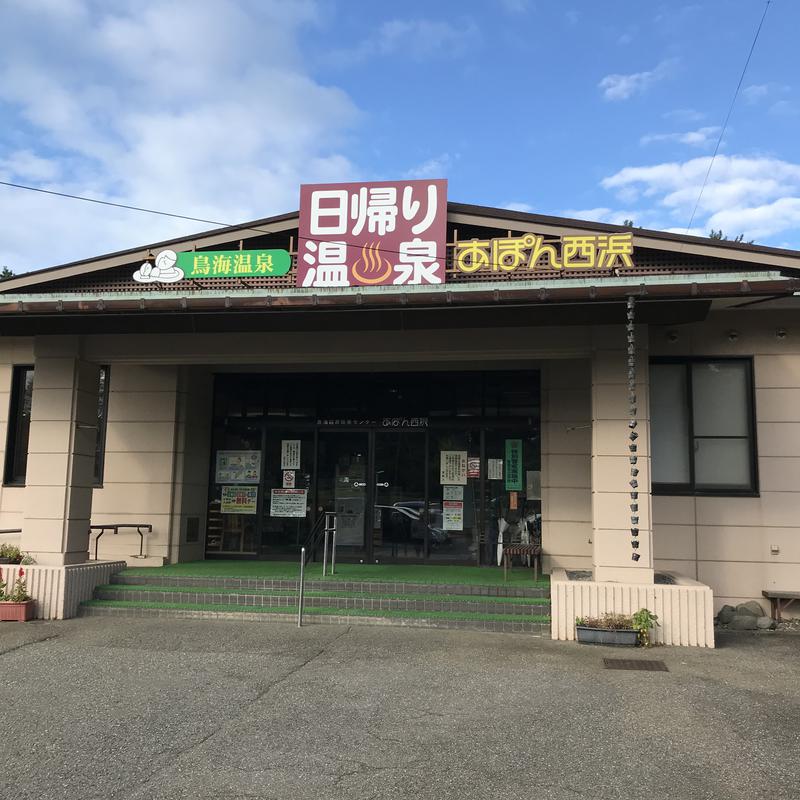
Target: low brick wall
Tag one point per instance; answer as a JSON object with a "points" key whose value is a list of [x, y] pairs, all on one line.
{"points": [[685, 609], [59, 590]]}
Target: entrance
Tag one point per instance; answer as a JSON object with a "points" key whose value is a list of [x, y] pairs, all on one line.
{"points": [[452, 472]]}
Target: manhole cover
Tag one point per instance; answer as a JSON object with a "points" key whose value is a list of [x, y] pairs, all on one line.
{"points": [[646, 665]]}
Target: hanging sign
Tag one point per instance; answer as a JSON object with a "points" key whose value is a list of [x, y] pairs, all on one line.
{"points": [[288, 502], [372, 234], [513, 465], [238, 466], [171, 267], [532, 252], [290, 454], [453, 467], [239, 499]]}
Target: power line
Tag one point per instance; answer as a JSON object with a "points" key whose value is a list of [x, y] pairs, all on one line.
{"points": [[728, 116]]}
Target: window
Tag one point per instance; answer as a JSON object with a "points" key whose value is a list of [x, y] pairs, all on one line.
{"points": [[702, 427], [102, 413], [19, 426]]}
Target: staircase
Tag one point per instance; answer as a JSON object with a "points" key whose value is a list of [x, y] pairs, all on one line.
{"points": [[473, 607]]}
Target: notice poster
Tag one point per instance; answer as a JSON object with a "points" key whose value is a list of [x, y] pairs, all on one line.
{"points": [[288, 479], [494, 469], [473, 467], [290, 454], [239, 500], [288, 502], [238, 466], [453, 467], [513, 465], [453, 515], [452, 492]]}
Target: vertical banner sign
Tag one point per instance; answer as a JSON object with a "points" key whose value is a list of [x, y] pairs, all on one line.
{"points": [[513, 465], [372, 234]]}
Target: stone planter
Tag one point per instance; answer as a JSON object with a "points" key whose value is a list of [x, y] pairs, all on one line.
{"points": [[617, 637], [16, 612]]}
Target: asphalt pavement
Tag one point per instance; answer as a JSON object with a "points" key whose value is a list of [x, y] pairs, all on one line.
{"points": [[164, 708]]}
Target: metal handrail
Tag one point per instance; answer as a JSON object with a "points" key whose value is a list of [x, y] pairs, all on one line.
{"points": [[321, 531], [301, 587]]}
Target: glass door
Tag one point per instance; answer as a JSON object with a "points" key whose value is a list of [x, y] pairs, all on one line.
{"points": [[399, 525], [342, 461]]}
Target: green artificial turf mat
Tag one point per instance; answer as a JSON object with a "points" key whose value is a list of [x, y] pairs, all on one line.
{"points": [[338, 612], [473, 598], [385, 573]]}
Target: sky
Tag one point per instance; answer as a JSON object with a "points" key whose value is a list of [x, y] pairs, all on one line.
{"points": [[595, 109]]}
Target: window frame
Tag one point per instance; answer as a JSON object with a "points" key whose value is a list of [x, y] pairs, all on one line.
{"points": [[102, 426], [16, 401], [690, 489]]}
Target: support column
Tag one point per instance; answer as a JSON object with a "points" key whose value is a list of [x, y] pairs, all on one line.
{"points": [[612, 495], [61, 452]]}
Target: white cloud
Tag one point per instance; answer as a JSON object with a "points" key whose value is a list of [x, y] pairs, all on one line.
{"points": [[702, 137], [437, 167], [526, 208], [755, 92], [759, 197], [684, 115], [122, 110], [784, 108], [622, 87], [515, 6], [415, 38]]}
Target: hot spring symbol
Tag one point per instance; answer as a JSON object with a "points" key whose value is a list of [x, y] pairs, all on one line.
{"points": [[371, 267]]}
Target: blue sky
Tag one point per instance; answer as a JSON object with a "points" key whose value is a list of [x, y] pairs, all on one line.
{"points": [[595, 109]]}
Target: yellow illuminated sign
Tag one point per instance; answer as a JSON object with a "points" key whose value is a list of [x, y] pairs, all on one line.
{"points": [[531, 251]]}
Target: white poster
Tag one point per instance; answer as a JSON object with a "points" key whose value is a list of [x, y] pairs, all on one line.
{"points": [[533, 484], [290, 454], [453, 467], [494, 469], [288, 479], [453, 492], [453, 515], [288, 502], [238, 466]]}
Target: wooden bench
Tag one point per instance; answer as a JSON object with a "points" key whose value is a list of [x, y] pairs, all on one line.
{"points": [[780, 601], [532, 550]]}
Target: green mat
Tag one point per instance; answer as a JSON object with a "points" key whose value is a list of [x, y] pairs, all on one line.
{"points": [[389, 573]]}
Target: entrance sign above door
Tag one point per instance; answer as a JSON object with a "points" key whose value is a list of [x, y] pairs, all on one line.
{"points": [[372, 234], [171, 267], [602, 251]]}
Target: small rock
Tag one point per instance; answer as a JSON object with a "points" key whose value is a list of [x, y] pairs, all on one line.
{"points": [[726, 614], [766, 623], [743, 622], [751, 607]]}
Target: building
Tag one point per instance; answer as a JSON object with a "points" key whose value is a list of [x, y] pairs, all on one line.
{"points": [[439, 374]]}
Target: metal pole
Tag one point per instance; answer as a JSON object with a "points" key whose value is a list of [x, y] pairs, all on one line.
{"points": [[301, 587], [325, 550], [333, 549]]}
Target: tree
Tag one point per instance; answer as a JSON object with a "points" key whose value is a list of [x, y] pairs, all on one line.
{"points": [[6, 273], [722, 237]]}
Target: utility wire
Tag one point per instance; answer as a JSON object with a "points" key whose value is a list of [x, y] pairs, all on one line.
{"points": [[728, 116]]}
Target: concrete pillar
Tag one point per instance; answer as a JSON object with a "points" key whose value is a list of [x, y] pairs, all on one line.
{"points": [[611, 467], [61, 450]]}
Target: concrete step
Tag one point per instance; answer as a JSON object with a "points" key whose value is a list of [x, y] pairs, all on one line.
{"points": [[467, 604], [331, 584], [492, 623]]}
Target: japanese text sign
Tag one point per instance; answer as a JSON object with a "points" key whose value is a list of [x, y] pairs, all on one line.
{"points": [[513, 465], [603, 251], [234, 263], [372, 234]]}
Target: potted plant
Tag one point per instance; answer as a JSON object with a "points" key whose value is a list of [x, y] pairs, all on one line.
{"points": [[617, 629], [16, 605], [10, 554]]}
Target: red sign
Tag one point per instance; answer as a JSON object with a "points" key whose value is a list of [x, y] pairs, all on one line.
{"points": [[372, 234]]}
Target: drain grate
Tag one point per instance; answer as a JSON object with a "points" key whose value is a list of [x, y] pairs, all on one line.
{"points": [[646, 665]]}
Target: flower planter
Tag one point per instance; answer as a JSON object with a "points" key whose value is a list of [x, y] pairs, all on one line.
{"points": [[16, 612], [618, 637]]}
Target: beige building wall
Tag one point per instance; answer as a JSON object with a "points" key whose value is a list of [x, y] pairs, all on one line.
{"points": [[727, 542]]}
